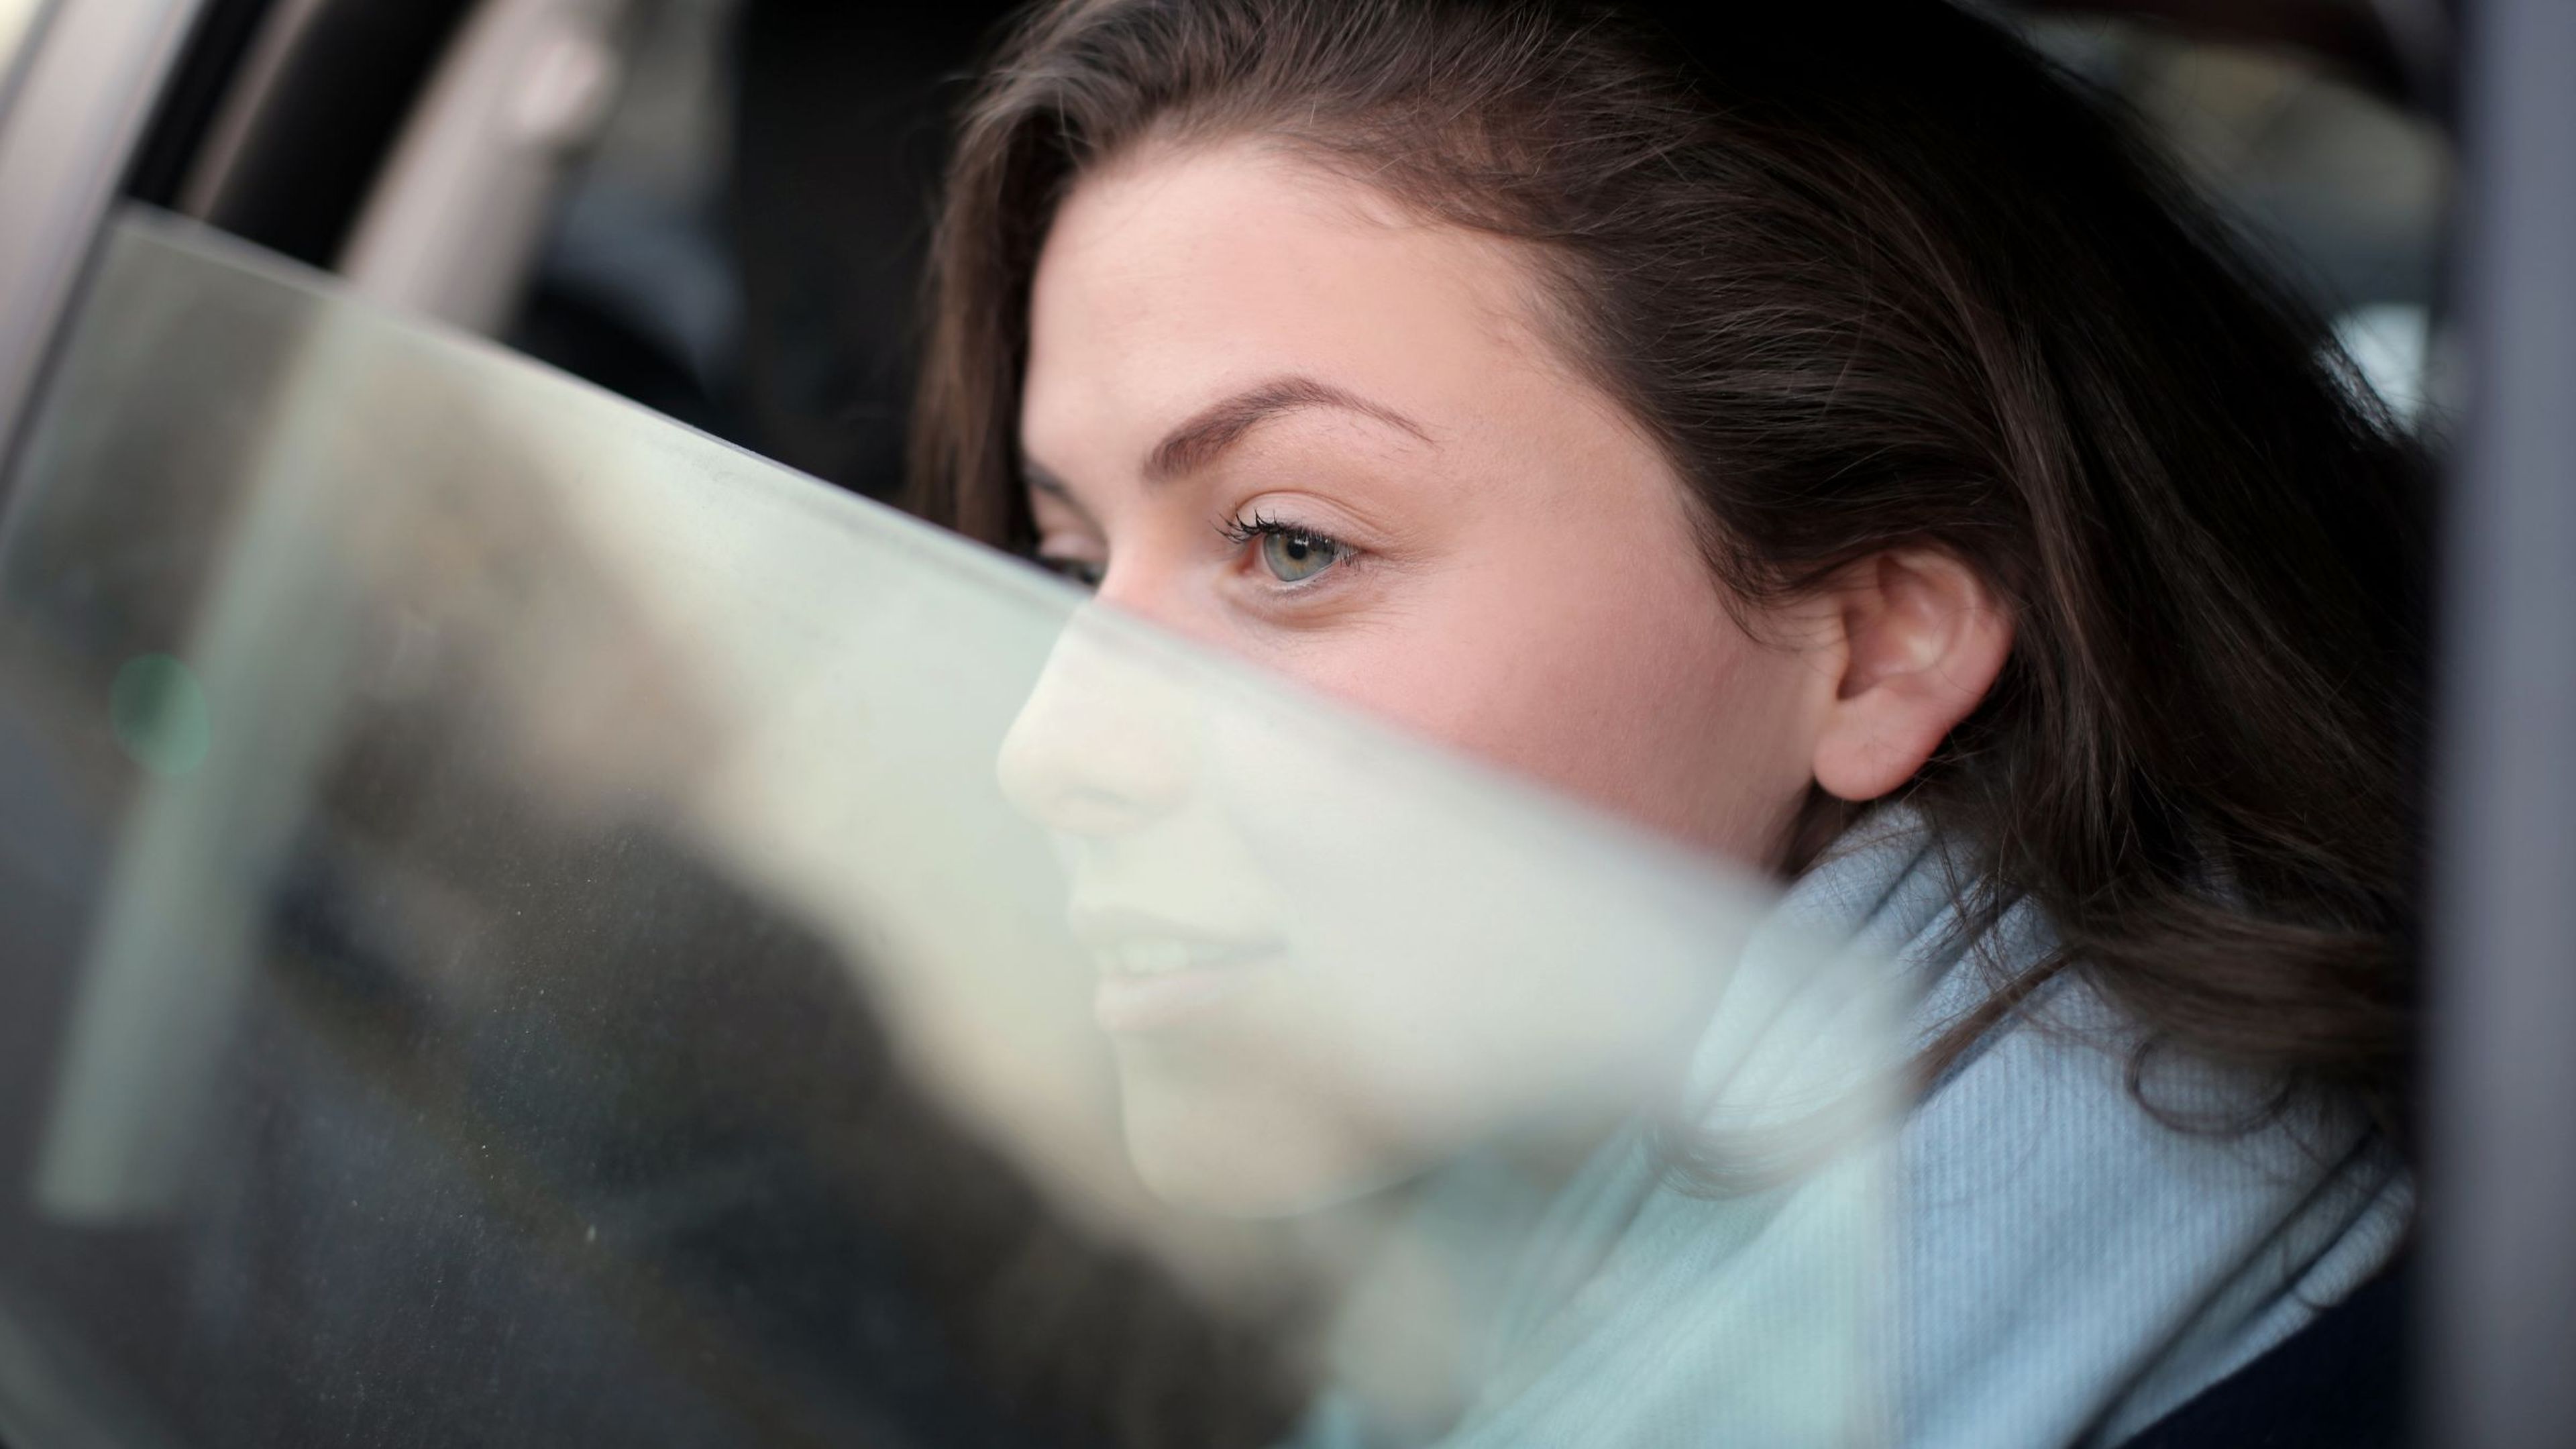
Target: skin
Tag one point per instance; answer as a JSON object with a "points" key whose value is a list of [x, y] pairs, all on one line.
{"points": [[1268, 410], [1512, 568]]}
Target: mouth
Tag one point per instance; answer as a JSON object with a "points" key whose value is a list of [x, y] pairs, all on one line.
{"points": [[1150, 979]]}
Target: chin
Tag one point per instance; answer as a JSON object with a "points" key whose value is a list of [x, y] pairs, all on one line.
{"points": [[1243, 1148]]}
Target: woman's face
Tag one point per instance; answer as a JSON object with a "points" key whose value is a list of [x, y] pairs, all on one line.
{"points": [[1268, 410]]}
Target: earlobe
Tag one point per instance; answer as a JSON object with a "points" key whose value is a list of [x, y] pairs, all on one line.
{"points": [[1923, 639]]}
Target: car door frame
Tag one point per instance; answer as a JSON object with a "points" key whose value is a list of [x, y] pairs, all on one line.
{"points": [[82, 93]]}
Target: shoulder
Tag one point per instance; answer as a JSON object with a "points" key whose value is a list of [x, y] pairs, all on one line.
{"points": [[2074, 1262]]}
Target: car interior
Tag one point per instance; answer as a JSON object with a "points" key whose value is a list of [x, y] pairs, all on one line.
{"points": [[573, 995]]}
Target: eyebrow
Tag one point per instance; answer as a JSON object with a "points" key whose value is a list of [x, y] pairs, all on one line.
{"points": [[1039, 480], [1207, 433], [1220, 425]]}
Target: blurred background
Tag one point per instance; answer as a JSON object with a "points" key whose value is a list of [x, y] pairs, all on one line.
{"points": [[717, 207]]}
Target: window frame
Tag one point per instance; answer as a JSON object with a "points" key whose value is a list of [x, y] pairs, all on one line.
{"points": [[68, 124]]}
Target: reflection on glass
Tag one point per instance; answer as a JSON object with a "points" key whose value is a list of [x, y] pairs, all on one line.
{"points": [[17, 19], [1313, 986], [540, 928]]}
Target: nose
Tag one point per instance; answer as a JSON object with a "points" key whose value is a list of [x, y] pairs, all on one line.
{"points": [[1107, 742]]}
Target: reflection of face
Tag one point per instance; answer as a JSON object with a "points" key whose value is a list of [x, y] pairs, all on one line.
{"points": [[1266, 410]]}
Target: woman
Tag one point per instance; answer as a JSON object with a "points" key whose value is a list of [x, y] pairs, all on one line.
{"points": [[1817, 433]]}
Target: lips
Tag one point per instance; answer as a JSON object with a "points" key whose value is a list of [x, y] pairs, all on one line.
{"points": [[1155, 972]]}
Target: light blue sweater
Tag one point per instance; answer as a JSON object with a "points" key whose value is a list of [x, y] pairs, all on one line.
{"points": [[2028, 1258]]}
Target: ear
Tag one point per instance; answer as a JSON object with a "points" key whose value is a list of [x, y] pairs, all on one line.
{"points": [[1921, 640]]}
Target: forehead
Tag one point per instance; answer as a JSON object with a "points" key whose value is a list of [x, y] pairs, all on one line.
{"points": [[1178, 276]]}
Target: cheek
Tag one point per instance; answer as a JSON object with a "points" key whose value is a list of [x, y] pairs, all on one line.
{"points": [[1628, 685]]}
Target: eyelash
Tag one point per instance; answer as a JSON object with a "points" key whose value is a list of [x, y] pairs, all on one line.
{"points": [[1083, 573], [1243, 531], [1239, 531]]}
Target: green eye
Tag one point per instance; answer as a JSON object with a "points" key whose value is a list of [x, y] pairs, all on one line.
{"points": [[1293, 556]]}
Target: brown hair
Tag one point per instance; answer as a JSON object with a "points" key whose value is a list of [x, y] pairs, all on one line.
{"points": [[1874, 275]]}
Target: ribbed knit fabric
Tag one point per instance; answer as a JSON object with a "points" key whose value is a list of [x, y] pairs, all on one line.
{"points": [[2032, 1258]]}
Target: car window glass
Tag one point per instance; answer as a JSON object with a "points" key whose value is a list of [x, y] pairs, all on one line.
{"points": [[17, 18], [527, 926]]}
